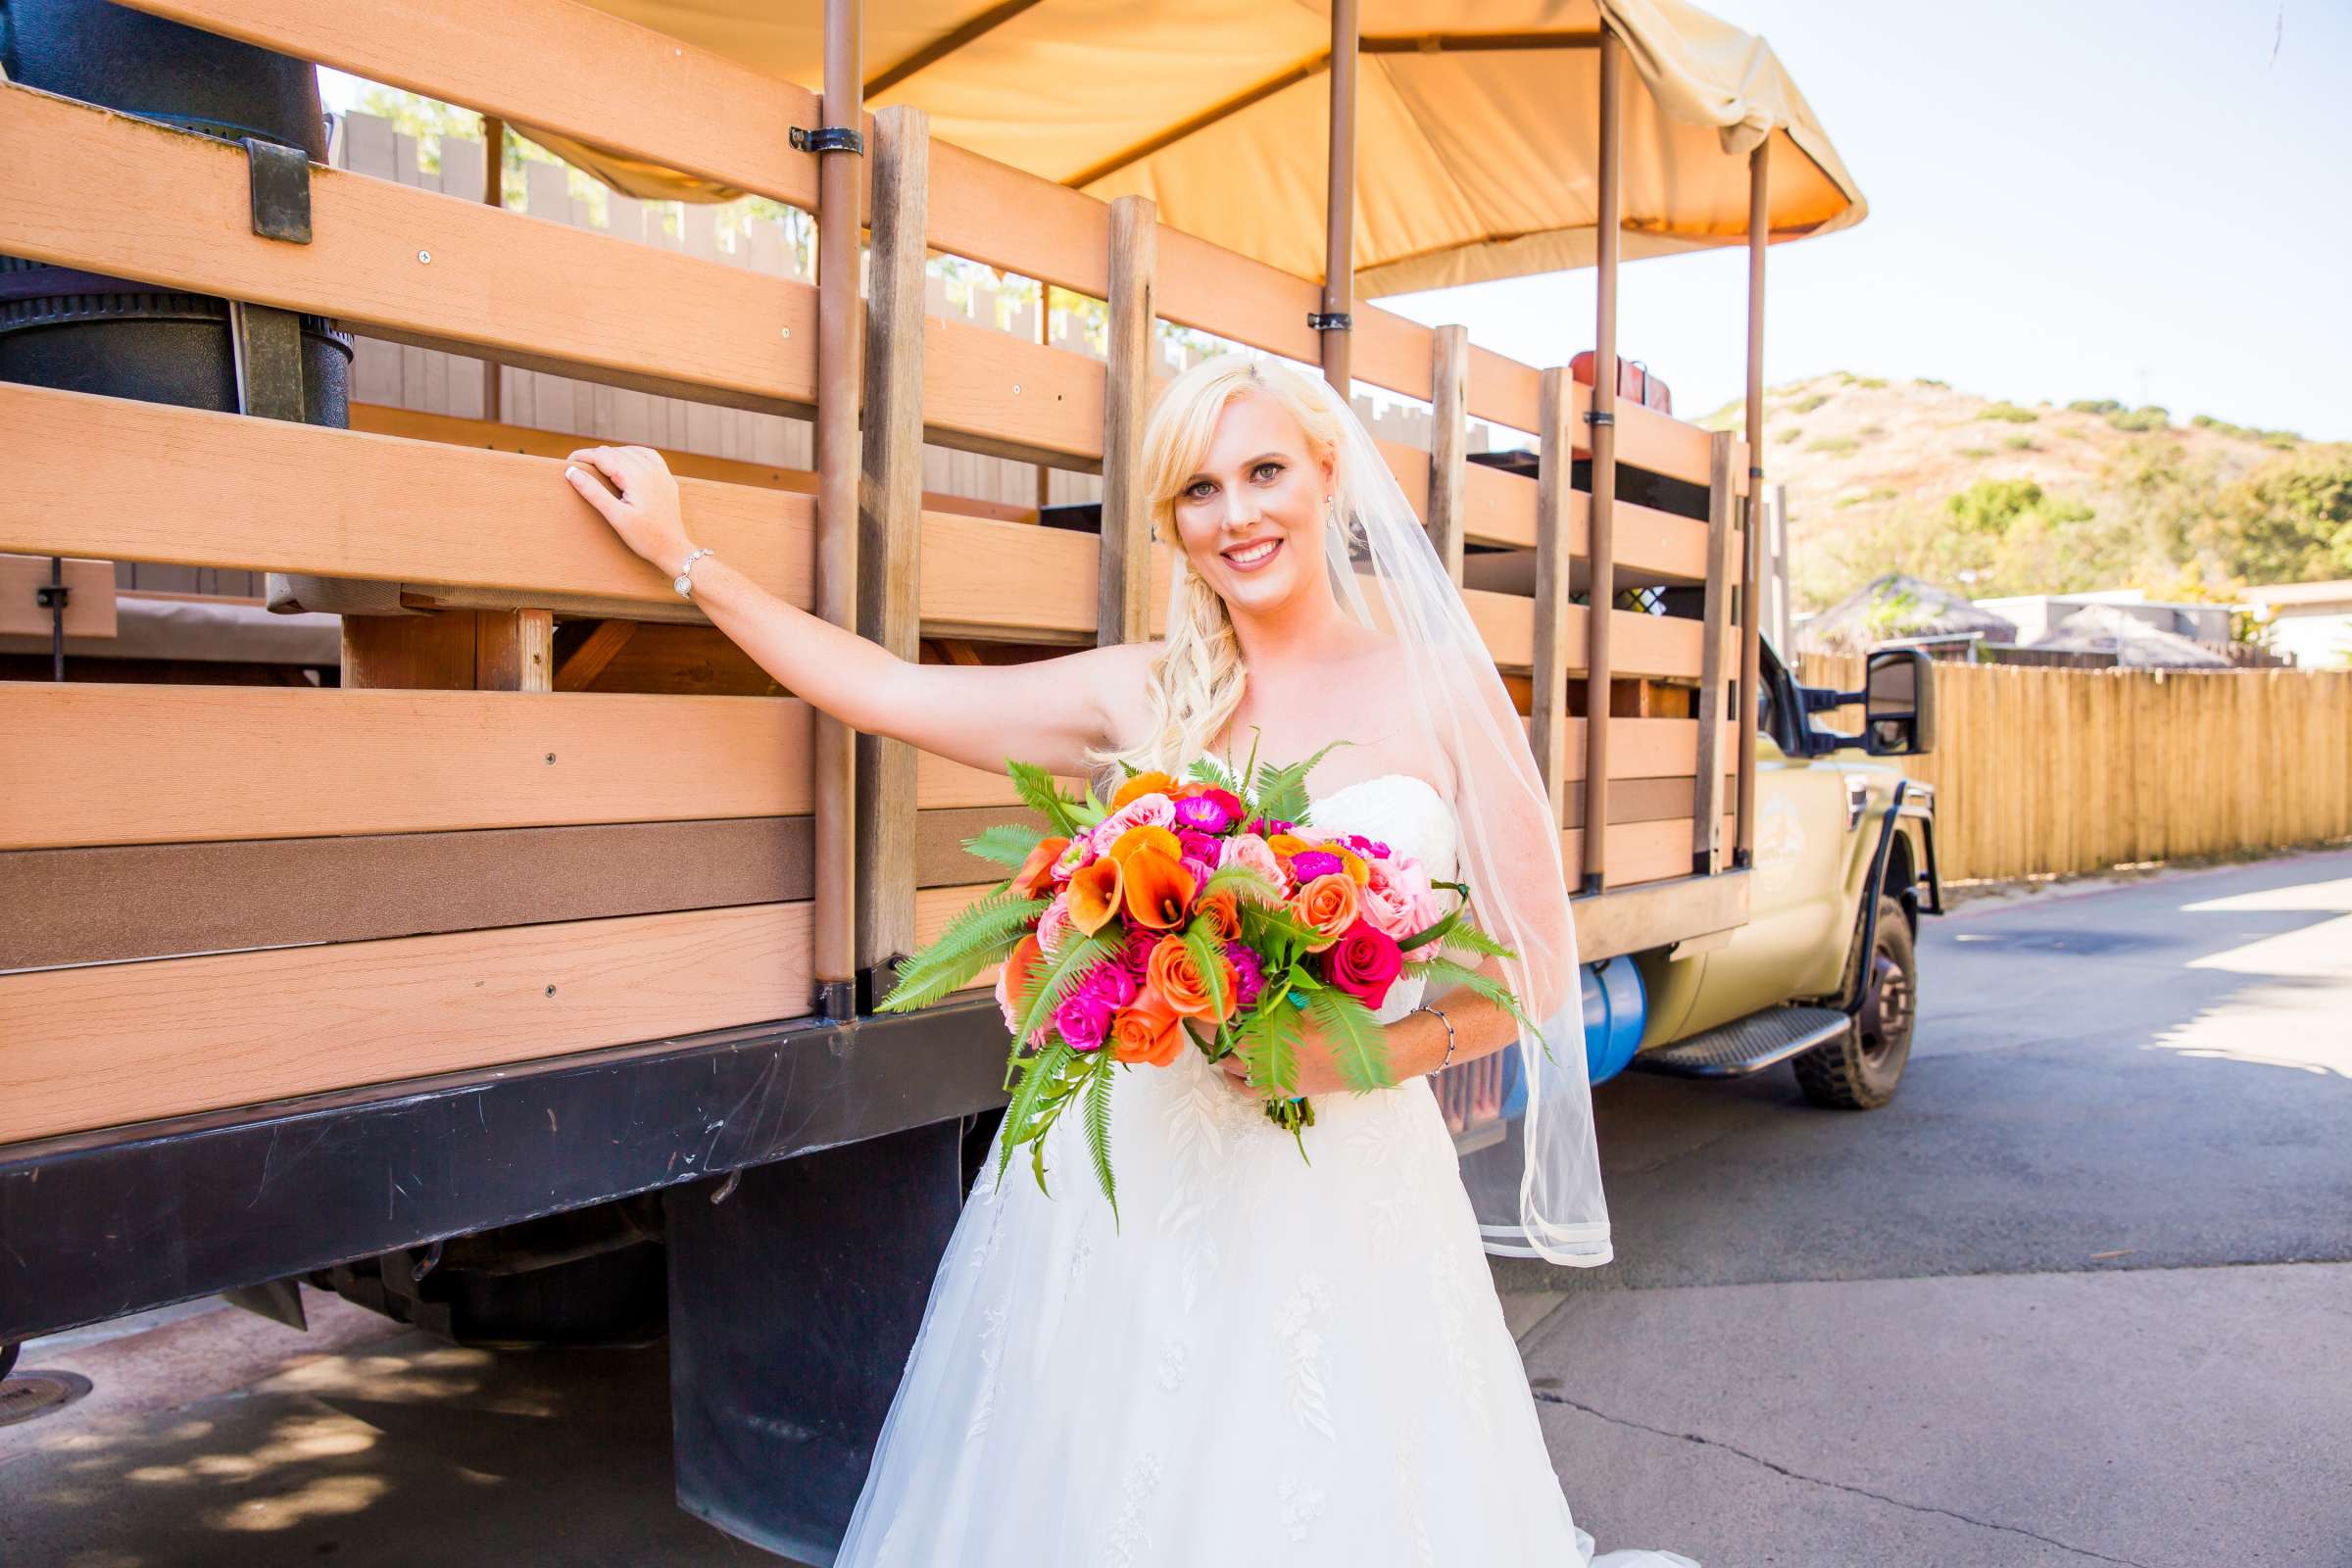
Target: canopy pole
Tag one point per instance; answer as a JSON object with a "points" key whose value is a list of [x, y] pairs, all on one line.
{"points": [[841, 175], [1339, 234], [1601, 565], [1751, 584]]}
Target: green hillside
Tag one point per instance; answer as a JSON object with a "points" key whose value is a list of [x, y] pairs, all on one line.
{"points": [[1993, 496]]}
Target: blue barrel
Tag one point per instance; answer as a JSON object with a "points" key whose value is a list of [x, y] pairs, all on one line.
{"points": [[1615, 1009]]}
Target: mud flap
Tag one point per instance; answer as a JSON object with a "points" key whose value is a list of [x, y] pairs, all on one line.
{"points": [[794, 1302]]}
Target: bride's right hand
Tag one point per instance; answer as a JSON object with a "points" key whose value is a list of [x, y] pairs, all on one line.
{"points": [[644, 512]]}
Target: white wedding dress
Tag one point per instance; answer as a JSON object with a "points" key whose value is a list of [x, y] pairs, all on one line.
{"points": [[1268, 1362]]}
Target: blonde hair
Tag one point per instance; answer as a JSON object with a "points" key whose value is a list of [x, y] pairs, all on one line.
{"points": [[1196, 681]]}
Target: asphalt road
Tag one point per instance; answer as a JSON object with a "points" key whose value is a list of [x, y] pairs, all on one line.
{"points": [[2082, 1294]]}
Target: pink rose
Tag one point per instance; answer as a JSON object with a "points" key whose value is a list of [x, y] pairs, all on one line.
{"points": [[1365, 963], [1145, 810], [1053, 927], [1249, 849], [1398, 899], [1084, 1018], [1074, 859]]}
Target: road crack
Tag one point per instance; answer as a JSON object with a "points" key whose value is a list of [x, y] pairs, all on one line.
{"points": [[1549, 1398]]}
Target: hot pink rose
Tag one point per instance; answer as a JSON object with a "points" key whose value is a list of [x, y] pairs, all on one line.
{"points": [[1145, 810], [1365, 963]]}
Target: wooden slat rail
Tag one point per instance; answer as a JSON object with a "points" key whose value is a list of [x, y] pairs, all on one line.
{"points": [[101, 1044], [585, 73]]}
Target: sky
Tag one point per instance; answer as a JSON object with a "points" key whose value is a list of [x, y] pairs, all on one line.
{"points": [[2069, 199]]}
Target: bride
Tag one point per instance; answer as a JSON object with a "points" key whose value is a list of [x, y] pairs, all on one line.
{"points": [[1270, 1360]]}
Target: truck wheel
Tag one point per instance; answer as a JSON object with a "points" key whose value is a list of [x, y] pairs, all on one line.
{"points": [[1860, 1068], [8, 1359]]}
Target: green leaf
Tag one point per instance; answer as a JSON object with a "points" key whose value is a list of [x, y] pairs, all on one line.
{"points": [[1042, 794], [1007, 844], [1021, 1125], [1358, 1046], [983, 933], [1206, 771], [1282, 790], [1268, 1040], [1097, 1128], [1092, 810], [1468, 938], [1265, 924], [1443, 975]]}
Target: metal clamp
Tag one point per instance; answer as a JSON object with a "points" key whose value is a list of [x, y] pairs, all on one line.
{"points": [[1330, 322], [836, 1001], [827, 139], [52, 596], [281, 179], [1595, 417]]}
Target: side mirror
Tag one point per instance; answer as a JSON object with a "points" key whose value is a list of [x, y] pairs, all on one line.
{"points": [[1898, 705]]}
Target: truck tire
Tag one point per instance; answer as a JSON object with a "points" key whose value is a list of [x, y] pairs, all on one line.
{"points": [[1860, 1070], [8, 1359]]}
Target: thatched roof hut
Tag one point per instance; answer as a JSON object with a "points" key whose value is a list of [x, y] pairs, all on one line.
{"points": [[2133, 643], [1896, 609]]}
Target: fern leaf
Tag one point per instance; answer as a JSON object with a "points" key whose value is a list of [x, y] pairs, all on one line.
{"points": [[1021, 1123], [1206, 771], [1007, 844], [1268, 1041], [1054, 975], [1282, 790], [1467, 938], [1208, 957], [1442, 973], [987, 930], [1098, 1129], [1042, 794], [1358, 1046]]}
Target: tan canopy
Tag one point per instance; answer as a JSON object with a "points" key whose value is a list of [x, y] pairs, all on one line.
{"points": [[1475, 119]]}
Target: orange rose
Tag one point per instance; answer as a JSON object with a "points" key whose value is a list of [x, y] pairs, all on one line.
{"points": [[1145, 838], [1143, 784], [1224, 910], [1157, 888], [1031, 880], [1330, 905], [1095, 893], [1172, 973], [1148, 1031]]}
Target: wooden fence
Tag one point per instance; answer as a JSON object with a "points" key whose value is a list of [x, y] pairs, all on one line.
{"points": [[2042, 770]]}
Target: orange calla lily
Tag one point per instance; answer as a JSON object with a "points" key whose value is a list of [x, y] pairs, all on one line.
{"points": [[1037, 871], [1095, 893], [1143, 784], [1289, 844], [1145, 838], [1157, 889]]}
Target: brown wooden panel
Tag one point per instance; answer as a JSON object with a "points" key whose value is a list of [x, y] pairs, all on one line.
{"points": [[175, 763], [1636, 799], [114, 903], [89, 597], [940, 857], [179, 213], [1647, 748], [1638, 852], [108, 1044], [560, 67], [109, 476]]}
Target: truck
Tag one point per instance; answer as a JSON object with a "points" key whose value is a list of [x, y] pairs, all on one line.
{"points": [[406, 894]]}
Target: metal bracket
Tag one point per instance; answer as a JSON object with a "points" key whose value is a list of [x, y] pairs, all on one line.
{"points": [[836, 1001], [874, 982], [827, 139], [281, 177], [1330, 322], [52, 596], [1595, 417]]}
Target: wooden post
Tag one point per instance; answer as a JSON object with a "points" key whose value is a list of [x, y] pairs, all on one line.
{"points": [[1759, 231], [1556, 483], [1706, 848], [1338, 206], [515, 650], [890, 521], [1602, 568], [494, 194], [1122, 604], [839, 314], [1448, 443]]}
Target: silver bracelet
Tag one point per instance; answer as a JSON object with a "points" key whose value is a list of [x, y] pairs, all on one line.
{"points": [[1449, 1023]]}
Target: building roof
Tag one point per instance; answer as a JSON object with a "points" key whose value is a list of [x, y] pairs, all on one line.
{"points": [[1896, 608]]}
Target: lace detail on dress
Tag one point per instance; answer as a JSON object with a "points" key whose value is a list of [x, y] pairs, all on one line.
{"points": [[1129, 1542], [1196, 1147], [992, 1357], [1302, 1341], [1302, 1506]]}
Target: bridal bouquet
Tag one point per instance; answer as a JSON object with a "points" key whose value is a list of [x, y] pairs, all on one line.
{"points": [[1206, 911]]}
